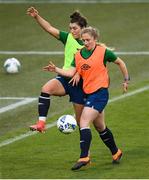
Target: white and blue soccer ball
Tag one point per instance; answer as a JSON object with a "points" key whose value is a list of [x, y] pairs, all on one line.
{"points": [[66, 124], [12, 65]]}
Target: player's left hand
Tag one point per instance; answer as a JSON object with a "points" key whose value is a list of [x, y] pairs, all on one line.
{"points": [[125, 87], [75, 79]]}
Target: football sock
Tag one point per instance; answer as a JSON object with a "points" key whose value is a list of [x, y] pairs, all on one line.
{"points": [[43, 105], [108, 139], [85, 141]]}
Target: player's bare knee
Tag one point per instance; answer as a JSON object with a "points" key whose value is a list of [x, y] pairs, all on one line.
{"points": [[47, 89]]}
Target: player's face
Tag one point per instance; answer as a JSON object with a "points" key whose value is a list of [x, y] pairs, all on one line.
{"points": [[89, 41], [75, 29]]}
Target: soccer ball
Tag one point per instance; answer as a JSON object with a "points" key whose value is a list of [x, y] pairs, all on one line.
{"points": [[66, 124], [12, 65]]}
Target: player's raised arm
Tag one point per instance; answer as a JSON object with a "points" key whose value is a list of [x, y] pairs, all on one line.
{"points": [[42, 22]]}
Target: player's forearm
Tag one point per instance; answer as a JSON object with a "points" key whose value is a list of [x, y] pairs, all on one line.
{"points": [[43, 23], [47, 26], [63, 72], [123, 69]]}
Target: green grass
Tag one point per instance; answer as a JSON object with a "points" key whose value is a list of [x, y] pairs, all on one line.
{"points": [[51, 155]]}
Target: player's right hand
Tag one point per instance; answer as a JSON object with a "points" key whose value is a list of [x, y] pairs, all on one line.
{"points": [[32, 12], [50, 67]]}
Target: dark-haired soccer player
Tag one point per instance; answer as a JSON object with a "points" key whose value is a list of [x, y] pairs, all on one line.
{"points": [[60, 85]]}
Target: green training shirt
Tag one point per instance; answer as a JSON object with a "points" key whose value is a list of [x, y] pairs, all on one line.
{"points": [[64, 35], [71, 47]]}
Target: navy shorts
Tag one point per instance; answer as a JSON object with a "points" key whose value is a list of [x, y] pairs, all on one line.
{"points": [[75, 93], [98, 99]]}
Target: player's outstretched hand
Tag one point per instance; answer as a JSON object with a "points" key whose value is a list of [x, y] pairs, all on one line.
{"points": [[50, 67], [125, 87], [32, 12]]}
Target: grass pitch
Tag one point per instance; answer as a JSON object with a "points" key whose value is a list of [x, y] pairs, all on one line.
{"points": [[51, 155]]}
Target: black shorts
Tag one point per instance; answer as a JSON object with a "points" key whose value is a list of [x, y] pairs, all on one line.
{"points": [[75, 93]]}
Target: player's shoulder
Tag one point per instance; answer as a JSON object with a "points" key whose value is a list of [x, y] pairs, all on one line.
{"points": [[63, 36]]}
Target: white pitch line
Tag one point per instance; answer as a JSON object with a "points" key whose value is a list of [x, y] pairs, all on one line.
{"points": [[20, 137], [17, 104], [14, 98], [133, 53], [61, 52], [72, 1], [23, 136], [32, 52], [129, 94]]}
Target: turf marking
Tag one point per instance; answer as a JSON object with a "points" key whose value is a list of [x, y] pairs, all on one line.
{"points": [[23, 136], [62, 52], [15, 98], [72, 1], [17, 104], [29, 133], [129, 94]]}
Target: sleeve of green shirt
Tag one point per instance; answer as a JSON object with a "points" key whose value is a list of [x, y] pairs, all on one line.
{"points": [[63, 36], [73, 64], [110, 56]]}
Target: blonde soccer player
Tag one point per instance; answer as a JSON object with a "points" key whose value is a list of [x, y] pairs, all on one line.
{"points": [[91, 63]]}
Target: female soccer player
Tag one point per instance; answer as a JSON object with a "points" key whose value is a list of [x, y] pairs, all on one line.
{"points": [[90, 62], [60, 85]]}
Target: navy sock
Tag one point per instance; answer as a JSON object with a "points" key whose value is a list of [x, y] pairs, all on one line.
{"points": [[43, 105], [108, 139], [85, 141]]}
